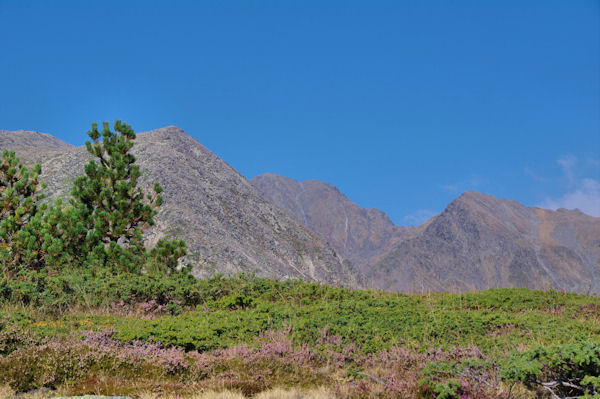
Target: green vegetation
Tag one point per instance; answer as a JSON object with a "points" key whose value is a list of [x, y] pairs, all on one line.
{"points": [[112, 207], [19, 214], [225, 311], [86, 308], [569, 369], [304, 335]]}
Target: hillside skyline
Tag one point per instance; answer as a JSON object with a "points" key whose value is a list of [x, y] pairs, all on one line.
{"points": [[402, 106]]}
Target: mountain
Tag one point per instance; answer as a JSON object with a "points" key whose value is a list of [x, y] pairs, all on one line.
{"points": [[283, 228], [481, 242], [356, 233], [227, 223], [477, 242]]}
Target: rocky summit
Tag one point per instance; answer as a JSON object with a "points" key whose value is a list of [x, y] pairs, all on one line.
{"points": [[227, 223], [477, 242]]}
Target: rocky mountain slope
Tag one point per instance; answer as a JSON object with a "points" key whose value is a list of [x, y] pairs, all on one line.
{"points": [[356, 233], [481, 242], [477, 242], [228, 225]]}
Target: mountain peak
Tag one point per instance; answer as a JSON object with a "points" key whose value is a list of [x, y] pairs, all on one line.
{"points": [[283, 228], [471, 195], [167, 131], [477, 242], [481, 202]]}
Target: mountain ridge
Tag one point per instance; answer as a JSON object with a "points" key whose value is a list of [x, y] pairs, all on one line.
{"points": [[477, 242], [282, 228]]}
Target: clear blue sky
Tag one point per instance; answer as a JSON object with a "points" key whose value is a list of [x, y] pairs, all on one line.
{"points": [[401, 104]]}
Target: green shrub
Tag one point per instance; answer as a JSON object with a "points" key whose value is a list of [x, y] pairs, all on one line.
{"points": [[568, 370]]}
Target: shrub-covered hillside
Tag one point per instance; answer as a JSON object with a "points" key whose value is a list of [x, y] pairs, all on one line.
{"points": [[120, 335]]}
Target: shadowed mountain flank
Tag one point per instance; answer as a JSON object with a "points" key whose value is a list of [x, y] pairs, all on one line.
{"points": [[356, 233], [477, 242], [228, 225]]}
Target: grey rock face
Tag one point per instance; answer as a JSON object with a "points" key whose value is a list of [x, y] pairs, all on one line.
{"points": [[228, 225]]}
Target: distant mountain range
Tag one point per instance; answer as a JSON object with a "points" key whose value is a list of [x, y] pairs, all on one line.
{"points": [[282, 228], [477, 242]]}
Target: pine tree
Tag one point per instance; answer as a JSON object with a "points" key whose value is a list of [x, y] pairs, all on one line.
{"points": [[63, 235], [114, 208], [101, 225], [20, 215]]}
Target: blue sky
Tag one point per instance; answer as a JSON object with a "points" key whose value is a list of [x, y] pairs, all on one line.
{"points": [[401, 104]]}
